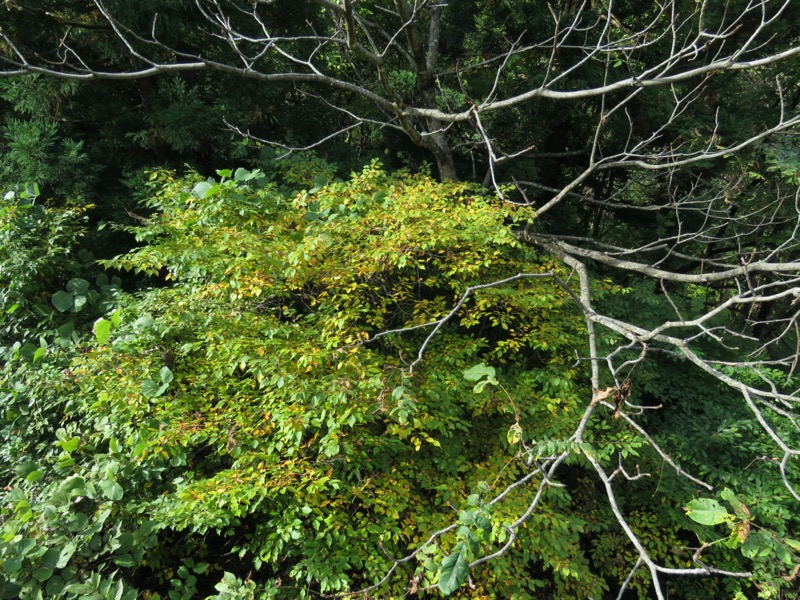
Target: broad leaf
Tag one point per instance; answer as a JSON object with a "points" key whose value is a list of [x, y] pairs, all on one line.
{"points": [[707, 511], [77, 286], [62, 301], [153, 389], [111, 490], [201, 189], [454, 571], [479, 372], [102, 330], [166, 375]]}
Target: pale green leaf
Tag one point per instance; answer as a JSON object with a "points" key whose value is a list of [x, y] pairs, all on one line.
{"points": [[102, 330], [201, 189], [479, 372], [707, 511]]}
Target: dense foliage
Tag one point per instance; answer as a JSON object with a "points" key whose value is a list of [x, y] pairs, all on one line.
{"points": [[261, 414], [242, 403], [560, 361]]}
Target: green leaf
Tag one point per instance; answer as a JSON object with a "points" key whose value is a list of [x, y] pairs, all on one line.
{"points": [[143, 323], [201, 189], [41, 574], [479, 372], [65, 463], [54, 586], [739, 507], [466, 534], [51, 558], [453, 571], [122, 543], [483, 383], [78, 589], [79, 303], [62, 301], [67, 444], [125, 560], [34, 476], [24, 468], [65, 555], [102, 330], [757, 544], [74, 486], [793, 544], [707, 511], [28, 350], [200, 568], [166, 375], [13, 564], [77, 286], [514, 434], [153, 389], [67, 329], [31, 190], [70, 445], [112, 490], [483, 523]]}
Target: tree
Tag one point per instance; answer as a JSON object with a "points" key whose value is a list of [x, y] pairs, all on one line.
{"points": [[653, 147]]}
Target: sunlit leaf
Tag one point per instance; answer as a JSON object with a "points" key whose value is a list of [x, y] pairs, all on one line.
{"points": [[478, 372], [102, 330], [707, 511]]}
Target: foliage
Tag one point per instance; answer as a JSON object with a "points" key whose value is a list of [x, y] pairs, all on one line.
{"points": [[756, 542], [267, 385], [36, 259], [55, 523], [250, 403]]}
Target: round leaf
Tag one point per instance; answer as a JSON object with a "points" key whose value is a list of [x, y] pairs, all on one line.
{"points": [[77, 286], [62, 301], [112, 490], [201, 189], [79, 303], [478, 372]]}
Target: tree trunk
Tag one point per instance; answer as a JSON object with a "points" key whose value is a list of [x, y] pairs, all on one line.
{"points": [[425, 57], [440, 147]]}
